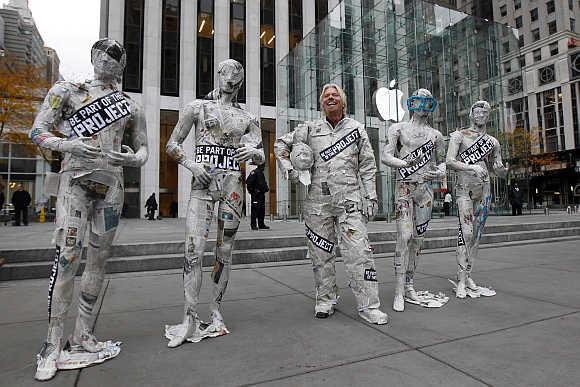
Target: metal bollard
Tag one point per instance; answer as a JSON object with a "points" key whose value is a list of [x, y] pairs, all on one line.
{"points": [[546, 211]]}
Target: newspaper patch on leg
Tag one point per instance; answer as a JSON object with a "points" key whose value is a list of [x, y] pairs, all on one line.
{"points": [[481, 291], [205, 331], [73, 357]]}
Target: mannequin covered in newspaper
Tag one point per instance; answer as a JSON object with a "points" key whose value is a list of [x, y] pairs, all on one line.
{"points": [[224, 136], [473, 154], [417, 151], [94, 117]]}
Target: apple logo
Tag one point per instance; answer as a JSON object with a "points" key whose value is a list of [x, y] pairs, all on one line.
{"points": [[387, 101]]}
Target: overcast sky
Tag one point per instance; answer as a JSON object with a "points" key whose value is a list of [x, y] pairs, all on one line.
{"points": [[70, 27]]}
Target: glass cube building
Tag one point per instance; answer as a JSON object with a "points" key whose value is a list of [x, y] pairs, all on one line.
{"points": [[363, 45]]}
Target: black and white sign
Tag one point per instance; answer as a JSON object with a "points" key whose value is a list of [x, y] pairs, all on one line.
{"points": [[475, 153], [218, 156], [460, 240], [371, 275], [340, 145], [52, 280], [320, 242], [426, 151], [99, 114], [422, 228]]}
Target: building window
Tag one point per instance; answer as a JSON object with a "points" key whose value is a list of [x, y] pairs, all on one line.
{"points": [[571, 5], [205, 32], [295, 22], [536, 34], [170, 48], [537, 55], [552, 28], [506, 47], [133, 42], [238, 38], [503, 10], [267, 53], [522, 61], [168, 185], [534, 14], [575, 117], [546, 75], [572, 25], [521, 41], [507, 67], [515, 85], [554, 49], [519, 22], [517, 4], [550, 7], [320, 10], [575, 65], [550, 118]]}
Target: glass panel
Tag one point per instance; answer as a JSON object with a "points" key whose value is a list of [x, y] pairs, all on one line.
{"points": [[170, 48], [205, 32], [167, 166], [133, 43], [238, 38]]}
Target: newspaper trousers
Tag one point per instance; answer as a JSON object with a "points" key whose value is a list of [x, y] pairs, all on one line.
{"points": [[81, 204], [326, 225], [199, 217], [473, 203], [414, 203]]}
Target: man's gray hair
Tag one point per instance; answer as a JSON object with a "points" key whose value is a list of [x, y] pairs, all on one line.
{"points": [[340, 92]]}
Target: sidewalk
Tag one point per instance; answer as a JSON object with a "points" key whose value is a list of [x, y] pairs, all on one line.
{"points": [[527, 335], [38, 235]]}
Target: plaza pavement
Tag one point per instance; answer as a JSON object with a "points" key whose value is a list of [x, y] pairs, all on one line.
{"points": [[527, 335]]}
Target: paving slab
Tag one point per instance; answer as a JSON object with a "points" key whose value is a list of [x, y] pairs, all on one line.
{"points": [[545, 353], [270, 337], [407, 369]]}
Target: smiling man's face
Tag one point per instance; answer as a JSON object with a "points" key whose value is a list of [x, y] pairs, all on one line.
{"points": [[331, 101]]}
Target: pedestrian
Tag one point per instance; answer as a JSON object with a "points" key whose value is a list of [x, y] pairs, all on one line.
{"points": [[257, 187], [151, 206], [342, 197], [173, 209], [2, 198], [447, 203], [516, 200], [21, 200]]}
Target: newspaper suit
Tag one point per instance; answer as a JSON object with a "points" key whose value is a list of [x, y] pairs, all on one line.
{"points": [[418, 152], [93, 117], [223, 136], [471, 153], [338, 206]]}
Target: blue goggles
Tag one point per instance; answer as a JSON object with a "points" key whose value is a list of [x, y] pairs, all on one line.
{"points": [[419, 102]]}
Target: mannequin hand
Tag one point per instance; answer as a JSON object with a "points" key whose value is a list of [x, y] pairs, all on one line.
{"points": [[127, 158], [292, 175], [245, 153], [78, 148], [479, 171], [412, 162], [372, 207], [198, 171]]}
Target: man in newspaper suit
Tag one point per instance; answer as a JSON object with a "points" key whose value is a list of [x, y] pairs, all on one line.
{"points": [[418, 152], [472, 152], [223, 137], [93, 116], [337, 204]]}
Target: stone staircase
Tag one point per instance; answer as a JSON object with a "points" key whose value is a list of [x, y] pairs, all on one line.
{"points": [[37, 263]]}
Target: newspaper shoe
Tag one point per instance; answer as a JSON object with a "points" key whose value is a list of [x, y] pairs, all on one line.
{"points": [[461, 291], [88, 342], [216, 328], [46, 361], [470, 283], [178, 334], [323, 311], [75, 356], [374, 316]]}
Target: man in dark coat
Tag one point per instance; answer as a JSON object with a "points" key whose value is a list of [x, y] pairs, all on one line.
{"points": [[517, 199], [21, 200], [258, 187], [151, 205]]}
